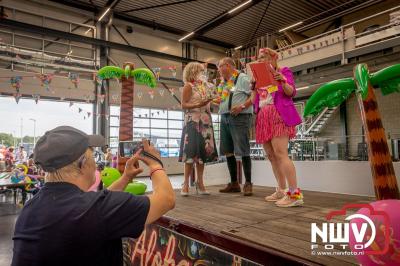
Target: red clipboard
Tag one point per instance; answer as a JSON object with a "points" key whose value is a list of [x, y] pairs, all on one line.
{"points": [[263, 74]]}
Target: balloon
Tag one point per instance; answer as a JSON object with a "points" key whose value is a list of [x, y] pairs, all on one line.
{"points": [[109, 175], [136, 188], [392, 257], [22, 167]]}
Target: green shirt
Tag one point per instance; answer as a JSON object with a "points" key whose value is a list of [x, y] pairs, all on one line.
{"points": [[241, 93]]}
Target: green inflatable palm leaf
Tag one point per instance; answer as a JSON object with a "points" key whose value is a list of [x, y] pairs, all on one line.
{"points": [[330, 95], [144, 76], [388, 79], [141, 75], [110, 72]]}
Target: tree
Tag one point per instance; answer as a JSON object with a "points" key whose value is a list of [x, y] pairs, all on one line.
{"points": [[335, 92], [128, 75], [6, 139]]}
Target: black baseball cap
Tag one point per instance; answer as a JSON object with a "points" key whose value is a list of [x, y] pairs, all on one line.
{"points": [[62, 146]]}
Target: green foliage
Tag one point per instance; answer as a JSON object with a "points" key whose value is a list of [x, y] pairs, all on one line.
{"points": [[110, 72], [144, 76], [387, 79], [141, 75], [330, 94], [6, 139]]}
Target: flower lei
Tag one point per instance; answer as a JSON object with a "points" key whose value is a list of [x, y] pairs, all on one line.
{"points": [[225, 87], [295, 195]]}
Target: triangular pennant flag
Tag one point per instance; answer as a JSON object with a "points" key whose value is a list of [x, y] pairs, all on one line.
{"points": [[139, 94], [88, 114], [151, 93], [46, 79], [74, 78], [243, 62], [79, 110], [161, 91], [36, 97], [16, 82], [101, 97], [114, 98], [173, 71], [157, 72], [172, 91], [70, 104], [17, 96]]}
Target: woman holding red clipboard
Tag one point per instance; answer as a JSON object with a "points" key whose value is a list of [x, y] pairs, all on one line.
{"points": [[276, 123]]}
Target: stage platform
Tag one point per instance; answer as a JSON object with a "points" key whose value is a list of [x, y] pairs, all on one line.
{"points": [[253, 220]]}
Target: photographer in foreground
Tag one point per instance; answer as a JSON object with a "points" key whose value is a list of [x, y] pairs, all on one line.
{"points": [[65, 225]]}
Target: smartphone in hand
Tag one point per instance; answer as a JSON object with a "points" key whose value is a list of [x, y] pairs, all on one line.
{"points": [[130, 148]]}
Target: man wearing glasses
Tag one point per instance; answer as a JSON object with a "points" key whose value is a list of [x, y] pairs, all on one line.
{"points": [[236, 110]]}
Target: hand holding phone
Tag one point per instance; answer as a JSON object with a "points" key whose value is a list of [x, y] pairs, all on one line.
{"points": [[132, 168], [146, 152], [150, 156]]}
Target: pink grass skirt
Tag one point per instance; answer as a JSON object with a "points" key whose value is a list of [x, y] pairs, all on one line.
{"points": [[269, 125]]}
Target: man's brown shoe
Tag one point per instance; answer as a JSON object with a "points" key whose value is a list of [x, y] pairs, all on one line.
{"points": [[248, 189], [231, 188]]}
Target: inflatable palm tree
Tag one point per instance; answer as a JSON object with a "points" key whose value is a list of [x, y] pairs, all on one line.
{"points": [[333, 93], [127, 75]]}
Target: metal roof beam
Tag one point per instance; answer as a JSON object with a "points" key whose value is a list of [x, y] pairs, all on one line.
{"points": [[220, 19], [25, 27], [142, 22], [156, 6]]}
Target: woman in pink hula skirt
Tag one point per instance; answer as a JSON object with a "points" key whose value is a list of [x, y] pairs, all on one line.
{"points": [[277, 119]]}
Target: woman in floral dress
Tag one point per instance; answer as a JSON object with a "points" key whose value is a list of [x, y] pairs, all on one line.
{"points": [[197, 143]]}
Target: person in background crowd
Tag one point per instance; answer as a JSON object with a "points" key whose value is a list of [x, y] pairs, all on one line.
{"points": [[3, 151], [197, 143], [21, 156], [9, 158], [276, 124], [108, 158]]}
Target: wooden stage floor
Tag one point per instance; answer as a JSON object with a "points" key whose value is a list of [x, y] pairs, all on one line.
{"points": [[261, 222]]}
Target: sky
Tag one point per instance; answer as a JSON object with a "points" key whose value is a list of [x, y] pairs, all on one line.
{"points": [[48, 115]]}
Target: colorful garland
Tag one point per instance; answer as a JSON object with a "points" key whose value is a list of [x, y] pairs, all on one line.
{"points": [[224, 88]]}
